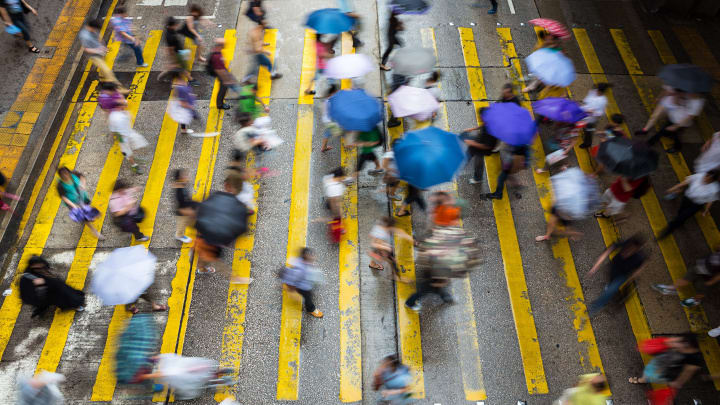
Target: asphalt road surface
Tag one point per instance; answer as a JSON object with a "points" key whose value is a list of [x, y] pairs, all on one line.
{"points": [[519, 330]]}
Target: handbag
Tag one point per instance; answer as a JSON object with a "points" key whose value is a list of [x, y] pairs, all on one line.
{"points": [[139, 215]]}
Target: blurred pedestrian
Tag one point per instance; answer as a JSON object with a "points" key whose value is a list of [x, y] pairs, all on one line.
{"points": [[588, 391], [367, 141], [432, 84], [42, 389], [42, 289], [394, 381], [123, 34], [681, 109], [381, 244], [246, 138], [331, 128], [493, 6], [242, 177], [323, 52], [480, 144], [185, 207], [190, 29], [709, 159], [616, 197], [431, 281], [705, 273], [625, 265], [334, 191], [301, 276], [414, 195], [594, 104], [556, 219], [391, 179], [4, 194], [348, 7], [513, 159], [446, 209], [255, 11], [71, 186], [176, 51], [126, 210], [674, 363], [701, 190], [249, 102], [12, 13], [256, 41], [182, 104], [92, 45], [217, 67], [394, 27], [120, 124], [508, 95]]}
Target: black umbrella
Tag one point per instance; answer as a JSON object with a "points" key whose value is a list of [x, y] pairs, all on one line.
{"points": [[221, 219], [686, 77], [627, 158], [409, 6]]}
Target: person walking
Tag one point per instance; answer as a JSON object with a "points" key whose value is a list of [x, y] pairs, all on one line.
{"points": [[125, 210], [414, 195], [119, 123], [300, 275], [381, 243], [94, 48], [42, 289], [625, 265], [176, 50], [323, 52], [217, 68], [480, 144], [432, 281], [594, 105], [681, 109], [674, 363], [182, 104], [705, 274], [367, 141], [256, 41], [249, 102], [190, 27], [701, 190], [513, 159], [12, 12], [185, 207], [255, 11], [507, 94], [588, 391], [72, 188], [616, 197], [122, 27], [394, 27], [391, 179], [709, 158], [393, 380], [348, 7], [331, 128]]}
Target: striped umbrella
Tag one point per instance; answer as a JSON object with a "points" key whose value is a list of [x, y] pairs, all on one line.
{"points": [[553, 27]]}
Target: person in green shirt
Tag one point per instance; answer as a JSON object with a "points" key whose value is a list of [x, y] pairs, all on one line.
{"points": [[589, 391], [367, 142], [248, 101]]}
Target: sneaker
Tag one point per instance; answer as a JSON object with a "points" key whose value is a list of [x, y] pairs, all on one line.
{"points": [[144, 238], [689, 302], [494, 196], [473, 181], [194, 83], [188, 132], [184, 239], [136, 169], [225, 106], [396, 197], [376, 172], [664, 289], [316, 313], [275, 76], [714, 332], [206, 270], [415, 307], [143, 65], [80, 308]]}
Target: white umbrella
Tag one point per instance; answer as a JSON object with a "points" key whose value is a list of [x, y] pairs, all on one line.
{"points": [[412, 61], [552, 67], [413, 102], [188, 376], [576, 194], [349, 66], [124, 275]]}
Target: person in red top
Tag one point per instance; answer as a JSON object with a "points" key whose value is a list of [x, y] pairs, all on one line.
{"points": [[216, 66], [618, 195]]}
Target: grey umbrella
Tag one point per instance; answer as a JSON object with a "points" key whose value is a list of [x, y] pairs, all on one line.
{"points": [[412, 61], [686, 77]]}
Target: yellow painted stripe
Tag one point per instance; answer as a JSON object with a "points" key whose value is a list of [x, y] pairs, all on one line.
{"points": [[408, 321], [46, 215], [696, 316], [700, 54], [465, 325], [510, 250], [105, 379], [706, 223], [179, 302], [349, 275], [235, 309], [589, 355], [291, 317]]}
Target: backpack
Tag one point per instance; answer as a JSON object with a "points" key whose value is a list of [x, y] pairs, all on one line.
{"points": [[642, 189], [208, 66]]}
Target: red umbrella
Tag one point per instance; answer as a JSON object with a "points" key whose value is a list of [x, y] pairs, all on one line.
{"points": [[553, 27]]}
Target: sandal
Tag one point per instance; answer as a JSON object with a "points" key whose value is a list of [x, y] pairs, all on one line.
{"points": [[34, 49], [159, 308], [380, 268], [634, 380], [407, 213], [541, 238], [133, 310], [206, 270]]}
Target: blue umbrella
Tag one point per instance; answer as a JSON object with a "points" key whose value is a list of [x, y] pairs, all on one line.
{"points": [[355, 110], [559, 109], [552, 67], [429, 156], [329, 21], [510, 123]]}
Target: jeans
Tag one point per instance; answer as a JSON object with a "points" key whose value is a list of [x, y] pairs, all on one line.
{"points": [[18, 20], [494, 4], [501, 182], [687, 209], [138, 52], [610, 291], [308, 299], [425, 288], [220, 99], [260, 60], [674, 135]]}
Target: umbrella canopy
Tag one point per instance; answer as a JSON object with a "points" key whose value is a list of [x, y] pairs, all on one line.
{"points": [[414, 102], [553, 27], [577, 195], [627, 158], [551, 67], [187, 376], [138, 343], [355, 110], [686, 77], [221, 219], [329, 21], [412, 61], [449, 251], [409, 6], [510, 123], [349, 66], [559, 109], [124, 275], [429, 156]]}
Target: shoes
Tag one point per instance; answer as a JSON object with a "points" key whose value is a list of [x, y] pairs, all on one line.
{"points": [[396, 197], [376, 172], [275, 76], [80, 308], [316, 313], [641, 132], [193, 83], [585, 145], [493, 196], [714, 332], [449, 301], [136, 169], [415, 307], [187, 132], [184, 239], [664, 289], [689, 302], [143, 65], [492, 11], [473, 181], [4, 207], [310, 92], [144, 238], [225, 106], [394, 122]]}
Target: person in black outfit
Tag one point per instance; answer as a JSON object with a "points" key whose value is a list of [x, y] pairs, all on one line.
{"points": [[255, 11], [42, 289], [394, 27], [414, 195], [480, 144], [508, 94], [185, 206], [12, 13], [430, 283], [513, 161], [176, 50]]}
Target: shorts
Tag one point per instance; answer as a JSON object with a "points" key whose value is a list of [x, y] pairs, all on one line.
{"points": [[563, 221], [205, 251], [331, 130], [186, 32], [613, 206], [653, 373], [365, 157]]}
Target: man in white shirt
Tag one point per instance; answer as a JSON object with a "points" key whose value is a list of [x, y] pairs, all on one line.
{"points": [[681, 108], [702, 189], [594, 105]]}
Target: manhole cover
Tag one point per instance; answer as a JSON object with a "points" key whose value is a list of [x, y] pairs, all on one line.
{"points": [[47, 52]]}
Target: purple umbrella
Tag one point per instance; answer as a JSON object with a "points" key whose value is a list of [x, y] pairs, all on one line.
{"points": [[559, 109], [510, 123]]}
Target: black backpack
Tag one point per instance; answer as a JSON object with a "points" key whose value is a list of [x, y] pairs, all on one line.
{"points": [[208, 66]]}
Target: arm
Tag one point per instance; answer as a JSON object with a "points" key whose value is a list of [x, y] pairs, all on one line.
{"points": [[713, 280], [190, 22], [678, 186], [5, 16], [707, 208], [687, 372], [476, 145], [262, 103], [29, 7], [654, 117], [399, 232], [130, 37], [599, 260], [68, 202]]}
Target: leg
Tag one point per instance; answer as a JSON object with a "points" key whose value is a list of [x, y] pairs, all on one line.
{"points": [[220, 99], [94, 231], [479, 167], [494, 7], [181, 223], [610, 290], [588, 133], [386, 55], [687, 210], [106, 74], [138, 54], [675, 136], [498, 193], [659, 134], [307, 299]]}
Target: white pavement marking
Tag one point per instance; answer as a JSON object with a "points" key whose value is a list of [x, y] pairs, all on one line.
{"points": [[512, 6], [175, 3], [151, 3]]}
